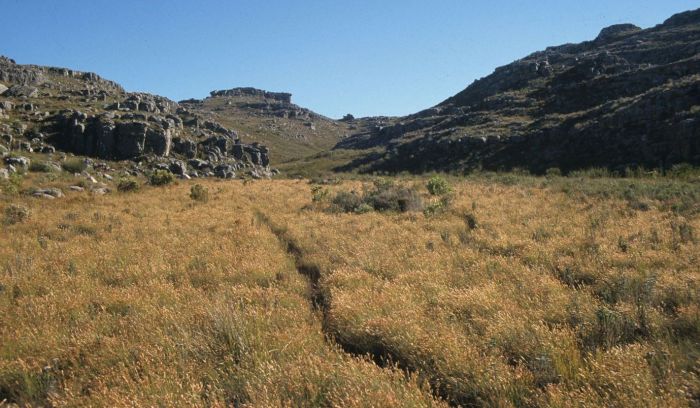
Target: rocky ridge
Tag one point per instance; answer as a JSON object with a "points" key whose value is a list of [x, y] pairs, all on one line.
{"points": [[628, 98], [44, 109], [272, 118]]}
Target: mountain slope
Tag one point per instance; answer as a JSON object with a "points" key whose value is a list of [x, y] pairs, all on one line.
{"points": [[631, 97], [272, 119]]}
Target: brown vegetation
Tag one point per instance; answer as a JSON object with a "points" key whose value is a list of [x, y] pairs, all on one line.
{"points": [[522, 292]]}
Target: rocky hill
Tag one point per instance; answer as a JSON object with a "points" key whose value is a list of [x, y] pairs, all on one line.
{"points": [[273, 119], [43, 109], [630, 97]]}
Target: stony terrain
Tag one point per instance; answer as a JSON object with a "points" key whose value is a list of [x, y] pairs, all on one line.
{"points": [[630, 97]]}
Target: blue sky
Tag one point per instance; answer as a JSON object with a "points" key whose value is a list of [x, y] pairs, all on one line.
{"points": [[390, 57]]}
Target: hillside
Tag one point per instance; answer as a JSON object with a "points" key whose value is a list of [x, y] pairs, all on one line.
{"points": [[628, 98], [48, 110], [272, 119]]}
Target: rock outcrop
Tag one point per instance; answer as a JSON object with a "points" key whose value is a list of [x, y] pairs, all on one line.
{"points": [[99, 119], [238, 92]]}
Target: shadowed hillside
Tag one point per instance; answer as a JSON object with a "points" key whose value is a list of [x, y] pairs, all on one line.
{"points": [[628, 98]]}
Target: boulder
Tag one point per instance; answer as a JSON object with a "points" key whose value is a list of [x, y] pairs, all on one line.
{"points": [[48, 192], [3, 88], [46, 149], [184, 147], [199, 164], [178, 167], [19, 91], [18, 161], [225, 171]]}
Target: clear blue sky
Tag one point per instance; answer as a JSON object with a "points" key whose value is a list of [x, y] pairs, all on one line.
{"points": [[366, 57]]}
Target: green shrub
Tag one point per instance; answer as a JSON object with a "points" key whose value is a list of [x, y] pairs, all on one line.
{"points": [[199, 193], [128, 184], [161, 178], [15, 214], [74, 166], [40, 167], [12, 185], [438, 186]]}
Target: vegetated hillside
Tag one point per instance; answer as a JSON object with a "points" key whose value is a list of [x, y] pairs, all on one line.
{"points": [[271, 118], [630, 97], [45, 109], [507, 291]]}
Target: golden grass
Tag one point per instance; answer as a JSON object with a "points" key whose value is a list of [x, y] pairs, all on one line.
{"points": [[551, 301], [149, 298]]}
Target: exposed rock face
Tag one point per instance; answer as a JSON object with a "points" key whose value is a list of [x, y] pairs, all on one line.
{"points": [[631, 97], [277, 96]]}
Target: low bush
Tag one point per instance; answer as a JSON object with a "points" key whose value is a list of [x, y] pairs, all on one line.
{"points": [[347, 201], [15, 214], [388, 197], [128, 184], [161, 178], [199, 193], [385, 196], [74, 166]]}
